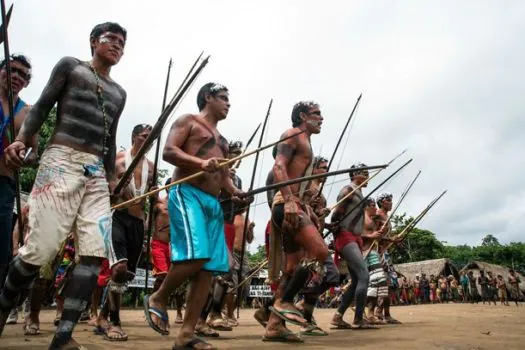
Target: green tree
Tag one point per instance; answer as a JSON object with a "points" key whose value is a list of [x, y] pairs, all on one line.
{"points": [[418, 245], [257, 257], [489, 241]]}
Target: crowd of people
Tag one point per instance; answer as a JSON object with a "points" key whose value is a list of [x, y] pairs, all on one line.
{"points": [[90, 193]]}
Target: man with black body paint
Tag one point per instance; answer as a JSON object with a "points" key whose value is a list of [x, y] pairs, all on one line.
{"points": [[72, 187]]}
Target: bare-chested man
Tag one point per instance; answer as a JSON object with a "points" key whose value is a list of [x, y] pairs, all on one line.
{"points": [[294, 220], [71, 189], [20, 78], [127, 233], [384, 203], [198, 247], [350, 215]]}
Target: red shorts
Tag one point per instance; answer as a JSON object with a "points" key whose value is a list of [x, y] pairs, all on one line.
{"points": [[229, 233], [345, 237], [160, 257], [105, 274]]}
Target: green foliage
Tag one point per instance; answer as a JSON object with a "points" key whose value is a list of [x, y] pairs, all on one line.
{"points": [[421, 244], [257, 257]]}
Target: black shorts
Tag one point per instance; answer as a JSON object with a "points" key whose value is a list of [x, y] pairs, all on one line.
{"points": [[290, 246], [128, 238]]}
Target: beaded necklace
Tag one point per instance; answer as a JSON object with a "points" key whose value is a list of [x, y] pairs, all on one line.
{"points": [[100, 102]]}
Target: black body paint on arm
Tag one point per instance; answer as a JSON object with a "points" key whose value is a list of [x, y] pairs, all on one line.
{"points": [[50, 95]]}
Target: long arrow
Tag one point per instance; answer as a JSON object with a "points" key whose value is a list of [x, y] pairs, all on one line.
{"points": [[310, 178], [157, 129], [339, 141], [247, 214], [358, 205], [153, 199], [5, 38], [364, 182], [403, 195], [200, 173], [5, 19], [236, 165], [414, 222]]}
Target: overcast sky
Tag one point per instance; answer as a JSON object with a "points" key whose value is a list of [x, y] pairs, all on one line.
{"points": [[442, 79]]}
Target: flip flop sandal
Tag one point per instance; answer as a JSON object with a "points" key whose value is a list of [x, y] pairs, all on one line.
{"points": [[282, 315], [178, 320], [163, 315], [191, 345], [285, 337], [115, 330], [313, 330], [393, 321], [220, 325], [206, 332], [341, 325], [31, 329]]}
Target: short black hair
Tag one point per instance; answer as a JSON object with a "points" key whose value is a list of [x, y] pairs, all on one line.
{"points": [[20, 59], [138, 129], [358, 171], [318, 160], [235, 145], [101, 28], [301, 107], [210, 89]]}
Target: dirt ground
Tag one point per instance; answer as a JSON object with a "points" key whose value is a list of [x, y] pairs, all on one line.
{"points": [[450, 326]]}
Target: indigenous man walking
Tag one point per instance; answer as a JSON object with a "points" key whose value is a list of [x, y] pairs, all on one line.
{"points": [[71, 191], [127, 233], [198, 247], [384, 203], [349, 243], [295, 222]]}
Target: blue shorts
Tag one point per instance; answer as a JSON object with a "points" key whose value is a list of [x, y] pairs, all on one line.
{"points": [[197, 228]]}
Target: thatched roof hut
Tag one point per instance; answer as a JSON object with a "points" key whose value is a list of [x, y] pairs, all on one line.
{"points": [[476, 266], [434, 267]]}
